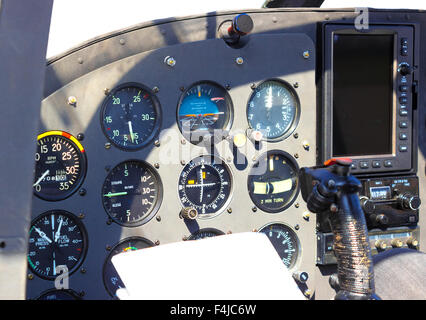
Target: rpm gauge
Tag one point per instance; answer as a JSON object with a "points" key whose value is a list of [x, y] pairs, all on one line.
{"points": [[273, 182], [130, 116], [285, 242], [205, 107], [112, 280], [273, 109], [205, 185], [60, 165], [132, 193], [56, 238]]}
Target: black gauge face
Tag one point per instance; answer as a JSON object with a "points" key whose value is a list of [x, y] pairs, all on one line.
{"points": [[204, 108], [275, 189], [111, 278], [132, 193], [130, 116], [285, 242], [55, 294], [205, 184], [56, 238], [60, 165], [205, 233], [273, 109]]}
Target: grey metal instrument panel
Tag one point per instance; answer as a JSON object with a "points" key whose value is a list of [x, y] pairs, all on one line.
{"points": [[288, 57]]}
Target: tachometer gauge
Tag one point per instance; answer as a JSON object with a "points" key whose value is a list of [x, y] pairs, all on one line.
{"points": [[273, 182], [205, 184], [285, 242], [130, 116], [60, 165], [112, 280], [132, 193], [56, 238], [203, 108], [205, 233], [273, 109]]}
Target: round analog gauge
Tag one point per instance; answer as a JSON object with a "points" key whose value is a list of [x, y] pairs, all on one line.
{"points": [[285, 242], [205, 107], [57, 238], [130, 116], [60, 165], [112, 280], [273, 109], [132, 193], [205, 233], [273, 182], [205, 184], [59, 294]]}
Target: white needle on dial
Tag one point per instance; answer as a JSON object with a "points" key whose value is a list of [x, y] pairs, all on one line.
{"points": [[58, 232], [43, 235], [41, 178], [131, 130]]}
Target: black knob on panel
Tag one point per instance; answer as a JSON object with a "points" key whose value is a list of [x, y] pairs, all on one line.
{"points": [[409, 201], [404, 69], [242, 24]]}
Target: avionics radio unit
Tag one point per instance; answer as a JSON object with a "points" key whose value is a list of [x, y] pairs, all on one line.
{"points": [[369, 106]]}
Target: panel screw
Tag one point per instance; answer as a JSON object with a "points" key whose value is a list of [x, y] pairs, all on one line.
{"points": [[306, 216], [157, 242], [156, 165], [229, 232], [254, 209], [253, 86], [296, 227], [109, 221], [296, 155], [254, 230], [158, 218], [81, 215], [72, 101], [229, 210], [107, 168], [183, 141], [296, 135], [81, 293], [106, 91], [334, 208], [239, 60], [83, 270], [80, 60], [306, 54], [157, 143], [184, 238], [182, 162], [30, 277], [107, 145], [296, 85], [155, 89], [297, 205], [80, 137], [228, 87], [170, 61], [122, 41], [108, 248], [82, 192], [182, 88]]}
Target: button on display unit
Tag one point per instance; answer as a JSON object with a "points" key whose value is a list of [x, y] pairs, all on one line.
{"points": [[368, 97]]}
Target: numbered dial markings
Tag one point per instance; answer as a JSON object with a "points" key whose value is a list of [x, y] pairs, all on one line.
{"points": [[205, 233], [205, 184], [132, 193], [60, 165], [112, 280], [273, 109], [130, 116], [57, 244], [285, 242]]}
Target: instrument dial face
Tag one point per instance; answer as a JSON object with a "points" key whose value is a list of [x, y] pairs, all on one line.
{"points": [[60, 165], [273, 182], [56, 294], [205, 233], [205, 184], [112, 280], [204, 108], [132, 193], [56, 238], [285, 242], [130, 116], [273, 109]]}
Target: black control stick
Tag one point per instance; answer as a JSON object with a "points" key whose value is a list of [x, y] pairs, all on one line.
{"points": [[332, 189]]}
